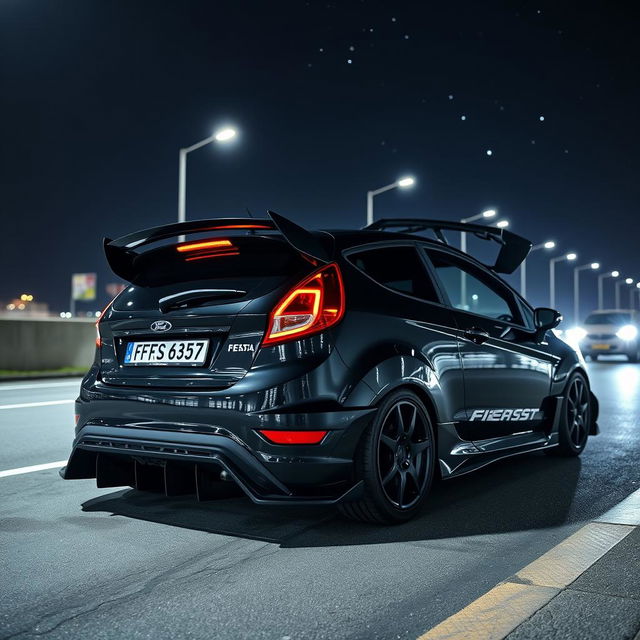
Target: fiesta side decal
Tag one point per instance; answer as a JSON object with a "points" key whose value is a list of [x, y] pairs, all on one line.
{"points": [[500, 415]]}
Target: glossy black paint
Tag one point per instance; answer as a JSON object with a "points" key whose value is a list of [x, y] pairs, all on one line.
{"points": [[205, 419]]}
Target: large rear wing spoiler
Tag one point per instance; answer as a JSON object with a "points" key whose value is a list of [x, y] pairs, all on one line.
{"points": [[121, 254], [513, 248]]}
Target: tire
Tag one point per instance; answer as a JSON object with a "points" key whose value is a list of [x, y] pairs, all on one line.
{"points": [[395, 460], [575, 422]]}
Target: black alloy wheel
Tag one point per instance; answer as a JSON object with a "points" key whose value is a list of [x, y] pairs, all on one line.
{"points": [[576, 419], [404, 451], [395, 461]]}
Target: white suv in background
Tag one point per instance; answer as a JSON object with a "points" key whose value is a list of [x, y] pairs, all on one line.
{"points": [[611, 332]]}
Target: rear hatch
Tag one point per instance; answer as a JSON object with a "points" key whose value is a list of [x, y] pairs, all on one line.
{"points": [[195, 313]]}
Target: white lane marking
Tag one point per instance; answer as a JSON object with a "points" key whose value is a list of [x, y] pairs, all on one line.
{"points": [[44, 385], [35, 467], [35, 404]]}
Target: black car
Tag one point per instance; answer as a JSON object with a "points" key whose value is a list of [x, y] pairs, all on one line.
{"points": [[330, 367]]}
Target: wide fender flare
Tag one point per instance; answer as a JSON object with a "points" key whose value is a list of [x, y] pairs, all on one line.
{"points": [[397, 372]]}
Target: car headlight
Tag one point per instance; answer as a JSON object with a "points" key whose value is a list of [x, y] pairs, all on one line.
{"points": [[628, 332], [575, 334]]}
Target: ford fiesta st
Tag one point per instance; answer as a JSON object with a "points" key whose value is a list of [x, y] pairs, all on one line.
{"points": [[329, 367]]}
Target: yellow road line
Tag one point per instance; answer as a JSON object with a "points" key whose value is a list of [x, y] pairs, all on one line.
{"points": [[499, 611], [625, 512], [495, 614], [561, 565]]}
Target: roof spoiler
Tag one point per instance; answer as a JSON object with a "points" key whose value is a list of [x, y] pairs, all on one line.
{"points": [[121, 256], [513, 248]]}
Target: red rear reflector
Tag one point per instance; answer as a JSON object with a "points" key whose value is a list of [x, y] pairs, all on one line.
{"points": [[313, 305], [204, 244], [293, 437]]}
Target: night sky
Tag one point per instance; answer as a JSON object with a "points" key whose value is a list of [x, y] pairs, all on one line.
{"points": [[331, 99]]}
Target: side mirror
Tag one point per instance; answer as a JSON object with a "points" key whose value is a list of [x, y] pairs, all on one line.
{"points": [[545, 319]]}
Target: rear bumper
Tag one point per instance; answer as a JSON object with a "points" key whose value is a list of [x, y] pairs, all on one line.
{"points": [[184, 450]]}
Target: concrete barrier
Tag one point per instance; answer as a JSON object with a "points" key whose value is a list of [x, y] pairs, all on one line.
{"points": [[38, 344]]}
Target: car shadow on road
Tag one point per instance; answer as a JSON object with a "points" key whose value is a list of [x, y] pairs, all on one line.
{"points": [[529, 492]]}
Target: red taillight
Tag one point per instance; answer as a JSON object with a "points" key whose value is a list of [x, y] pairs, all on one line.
{"points": [[313, 305], [98, 337], [293, 437]]}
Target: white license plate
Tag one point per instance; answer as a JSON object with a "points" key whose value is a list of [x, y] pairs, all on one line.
{"points": [[167, 352]]}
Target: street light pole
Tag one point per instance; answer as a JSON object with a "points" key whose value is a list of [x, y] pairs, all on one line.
{"points": [[576, 287], [601, 277], [487, 213], [618, 285], [550, 244], [223, 135], [552, 276], [403, 183]]}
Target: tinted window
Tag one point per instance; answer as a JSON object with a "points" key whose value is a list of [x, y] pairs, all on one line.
{"points": [[608, 318], [470, 290], [399, 268]]}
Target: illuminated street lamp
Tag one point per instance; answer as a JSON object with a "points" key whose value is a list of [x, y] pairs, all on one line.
{"points": [[636, 289], [552, 275], [485, 215], [502, 224], [601, 278], [550, 244], [627, 281], [402, 183], [222, 136], [576, 287]]}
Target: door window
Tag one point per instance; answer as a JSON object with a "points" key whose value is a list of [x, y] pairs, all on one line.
{"points": [[398, 268], [469, 289]]}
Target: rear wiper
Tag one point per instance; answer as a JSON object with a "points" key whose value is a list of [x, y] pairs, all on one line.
{"points": [[196, 297]]}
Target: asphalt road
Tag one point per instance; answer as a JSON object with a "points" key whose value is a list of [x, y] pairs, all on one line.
{"points": [[76, 561]]}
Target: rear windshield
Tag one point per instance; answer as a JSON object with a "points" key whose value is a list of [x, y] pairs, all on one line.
{"points": [[608, 318], [217, 258]]}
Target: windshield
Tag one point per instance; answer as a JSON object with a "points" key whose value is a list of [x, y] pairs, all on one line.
{"points": [[608, 318]]}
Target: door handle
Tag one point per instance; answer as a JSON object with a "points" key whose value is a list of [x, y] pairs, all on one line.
{"points": [[476, 335]]}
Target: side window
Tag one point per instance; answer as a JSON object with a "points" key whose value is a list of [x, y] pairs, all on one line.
{"points": [[398, 268], [469, 290]]}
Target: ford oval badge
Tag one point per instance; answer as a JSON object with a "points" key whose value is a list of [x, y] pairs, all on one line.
{"points": [[161, 325]]}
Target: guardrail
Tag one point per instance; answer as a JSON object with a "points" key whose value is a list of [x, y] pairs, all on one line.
{"points": [[35, 344]]}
